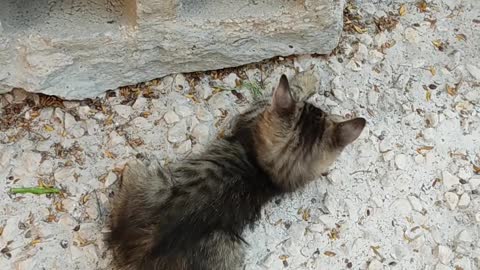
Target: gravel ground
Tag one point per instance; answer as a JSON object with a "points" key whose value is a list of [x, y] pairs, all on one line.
{"points": [[406, 195]]}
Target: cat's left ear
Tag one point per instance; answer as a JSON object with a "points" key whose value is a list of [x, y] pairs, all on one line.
{"points": [[348, 131], [282, 99]]}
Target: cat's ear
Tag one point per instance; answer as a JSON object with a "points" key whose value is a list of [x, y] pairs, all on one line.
{"points": [[282, 99], [348, 131]]}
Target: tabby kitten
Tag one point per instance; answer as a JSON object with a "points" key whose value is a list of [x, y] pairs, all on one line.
{"points": [[191, 215]]}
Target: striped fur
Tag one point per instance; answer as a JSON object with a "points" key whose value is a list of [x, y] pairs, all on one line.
{"points": [[191, 215]]}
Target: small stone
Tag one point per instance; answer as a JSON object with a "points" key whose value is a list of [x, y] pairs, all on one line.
{"points": [[450, 180], [352, 93], [419, 159], [474, 71], [375, 265], [219, 100], [61, 174], [140, 104], [123, 110], [110, 179], [416, 203], [201, 133], [183, 111], [203, 114], [69, 121], [204, 91], [477, 217], [64, 243], [177, 133], [474, 182], [440, 266], [142, 123], [432, 119], [464, 173], [184, 147], [171, 117], [92, 126], [31, 161], [429, 134], [338, 93], [231, 80], [411, 35], [443, 253], [464, 201], [77, 132], [401, 207], [19, 95], [83, 112], [465, 236], [373, 97], [401, 161], [451, 199], [115, 139]]}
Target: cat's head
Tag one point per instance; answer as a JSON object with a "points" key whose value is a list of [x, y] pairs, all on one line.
{"points": [[296, 142]]}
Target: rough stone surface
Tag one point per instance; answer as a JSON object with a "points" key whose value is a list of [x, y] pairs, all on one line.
{"points": [[79, 49], [367, 212]]}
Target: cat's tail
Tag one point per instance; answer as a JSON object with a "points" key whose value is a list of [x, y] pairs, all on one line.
{"points": [[141, 191]]}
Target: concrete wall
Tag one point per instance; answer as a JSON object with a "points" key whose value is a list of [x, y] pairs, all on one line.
{"points": [[80, 48]]}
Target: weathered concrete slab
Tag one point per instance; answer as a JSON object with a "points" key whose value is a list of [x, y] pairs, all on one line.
{"points": [[79, 49]]}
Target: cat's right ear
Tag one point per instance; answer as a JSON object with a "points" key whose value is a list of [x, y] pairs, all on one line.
{"points": [[282, 99]]}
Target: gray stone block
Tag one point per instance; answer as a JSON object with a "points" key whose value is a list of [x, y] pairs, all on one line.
{"points": [[80, 48]]}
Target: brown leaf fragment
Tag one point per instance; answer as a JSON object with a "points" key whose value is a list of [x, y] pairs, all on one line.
{"points": [[439, 44], [424, 149], [403, 10], [422, 6], [461, 37], [432, 70], [428, 95], [386, 23], [476, 169], [451, 90], [136, 142], [329, 253]]}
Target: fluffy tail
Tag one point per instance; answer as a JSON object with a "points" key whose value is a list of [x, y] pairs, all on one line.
{"points": [[132, 229]]}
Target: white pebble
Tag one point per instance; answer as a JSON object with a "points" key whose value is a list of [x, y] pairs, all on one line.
{"points": [[110, 179], [203, 91], [440, 266], [183, 111], [177, 133], [411, 35], [450, 180], [184, 147], [465, 236], [465, 173], [171, 117], [443, 253], [451, 199], [69, 121], [474, 182], [401, 161], [416, 203], [429, 134], [419, 159], [123, 110], [432, 119], [464, 201], [474, 71], [83, 112], [203, 114], [375, 265], [140, 103], [201, 133]]}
